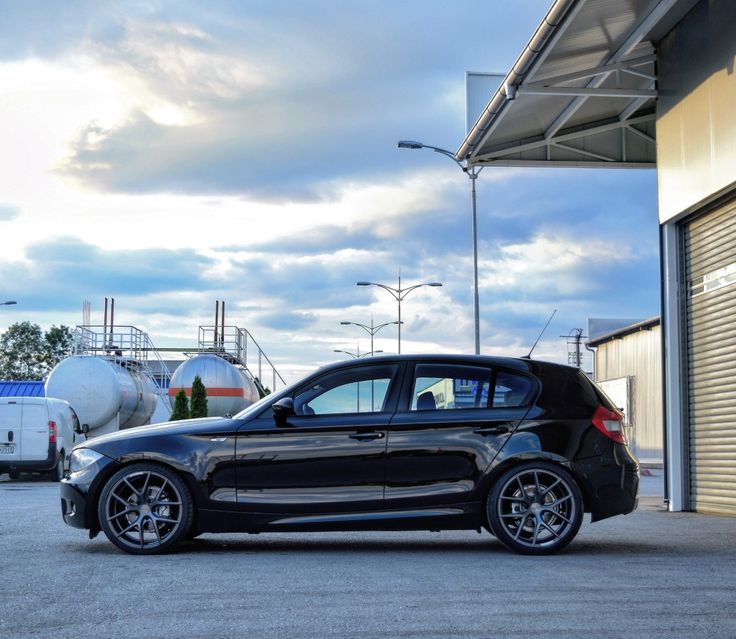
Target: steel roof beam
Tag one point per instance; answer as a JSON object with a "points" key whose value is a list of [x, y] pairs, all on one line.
{"points": [[585, 92], [659, 8], [567, 137], [626, 67]]}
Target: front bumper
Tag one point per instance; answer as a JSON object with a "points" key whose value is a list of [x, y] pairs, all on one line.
{"points": [[79, 493]]}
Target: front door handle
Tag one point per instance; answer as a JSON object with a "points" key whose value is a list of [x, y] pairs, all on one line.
{"points": [[367, 437], [491, 430]]}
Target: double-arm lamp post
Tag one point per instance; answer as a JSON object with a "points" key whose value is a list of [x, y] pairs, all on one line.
{"points": [[355, 355], [371, 330], [399, 294], [472, 173]]}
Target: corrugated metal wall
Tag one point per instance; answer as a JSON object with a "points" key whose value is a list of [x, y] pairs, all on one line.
{"points": [[638, 355], [710, 271]]}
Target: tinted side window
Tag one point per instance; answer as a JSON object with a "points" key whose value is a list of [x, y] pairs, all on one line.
{"points": [[511, 390], [355, 390], [450, 387]]}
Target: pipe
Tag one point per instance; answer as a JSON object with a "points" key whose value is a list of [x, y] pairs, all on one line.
{"points": [[217, 319], [222, 330], [112, 318], [104, 325]]}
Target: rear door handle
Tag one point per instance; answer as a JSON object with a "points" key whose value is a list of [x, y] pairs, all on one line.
{"points": [[491, 430], [367, 437]]}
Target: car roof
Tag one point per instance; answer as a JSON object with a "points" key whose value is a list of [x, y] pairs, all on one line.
{"points": [[521, 364]]}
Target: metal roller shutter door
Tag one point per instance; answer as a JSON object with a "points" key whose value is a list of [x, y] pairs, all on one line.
{"points": [[710, 269]]}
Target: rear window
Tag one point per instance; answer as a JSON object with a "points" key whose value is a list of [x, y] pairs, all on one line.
{"points": [[457, 387], [568, 388]]}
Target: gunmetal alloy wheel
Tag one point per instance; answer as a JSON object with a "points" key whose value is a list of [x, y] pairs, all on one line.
{"points": [[145, 509], [535, 508]]}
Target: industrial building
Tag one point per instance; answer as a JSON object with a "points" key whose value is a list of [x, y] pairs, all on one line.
{"points": [[649, 84], [627, 365]]}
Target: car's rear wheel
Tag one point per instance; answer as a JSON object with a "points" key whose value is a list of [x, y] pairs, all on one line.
{"points": [[535, 508], [145, 509]]}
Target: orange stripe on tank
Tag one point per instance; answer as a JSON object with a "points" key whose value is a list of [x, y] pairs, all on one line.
{"points": [[211, 392]]}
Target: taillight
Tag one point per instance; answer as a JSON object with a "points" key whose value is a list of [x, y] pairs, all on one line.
{"points": [[610, 424], [52, 431]]}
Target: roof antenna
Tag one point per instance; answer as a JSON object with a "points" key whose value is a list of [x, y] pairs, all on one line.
{"points": [[529, 355]]}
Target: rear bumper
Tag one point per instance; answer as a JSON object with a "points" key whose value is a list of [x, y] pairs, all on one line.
{"points": [[30, 466], [612, 489]]}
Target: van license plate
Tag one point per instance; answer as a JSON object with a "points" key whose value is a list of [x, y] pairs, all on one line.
{"points": [[7, 450]]}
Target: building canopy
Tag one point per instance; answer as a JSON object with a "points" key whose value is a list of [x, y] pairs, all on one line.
{"points": [[583, 91]]}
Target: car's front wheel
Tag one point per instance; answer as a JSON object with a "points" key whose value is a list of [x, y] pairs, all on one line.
{"points": [[535, 508], [145, 509]]}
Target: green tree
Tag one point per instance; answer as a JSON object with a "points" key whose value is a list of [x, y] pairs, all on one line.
{"points": [[23, 352], [59, 344], [27, 353], [181, 407], [199, 398], [263, 391]]}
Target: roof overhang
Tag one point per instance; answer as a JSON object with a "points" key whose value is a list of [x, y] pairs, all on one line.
{"points": [[583, 91]]}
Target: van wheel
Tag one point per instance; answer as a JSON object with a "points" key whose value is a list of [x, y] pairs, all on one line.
{"points": [[13, 474], [57, 474]]}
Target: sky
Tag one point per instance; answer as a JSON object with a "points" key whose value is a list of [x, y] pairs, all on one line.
{"points": [[170, 154]]}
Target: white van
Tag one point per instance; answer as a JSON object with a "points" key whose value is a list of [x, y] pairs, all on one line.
{"points": [[37, 434]]}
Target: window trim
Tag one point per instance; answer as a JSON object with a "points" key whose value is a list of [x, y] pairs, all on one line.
{"points": [[405, 399]]}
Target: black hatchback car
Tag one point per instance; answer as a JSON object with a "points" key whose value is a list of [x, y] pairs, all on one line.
{"points": [[519, 447]]}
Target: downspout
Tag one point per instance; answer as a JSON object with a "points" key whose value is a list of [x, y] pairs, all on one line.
{"points": [[554, 18]]}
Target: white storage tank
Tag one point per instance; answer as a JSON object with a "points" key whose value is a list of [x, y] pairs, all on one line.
{"points": [[104, 392], [229, 389]]}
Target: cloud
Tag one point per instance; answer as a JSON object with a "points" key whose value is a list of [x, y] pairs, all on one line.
{"points": [[227, 111], [8, 212], [59, 274]]}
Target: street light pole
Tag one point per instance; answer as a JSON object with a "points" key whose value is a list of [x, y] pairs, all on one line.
{"points": [[399, 294], [371, 330], [472, 172]]}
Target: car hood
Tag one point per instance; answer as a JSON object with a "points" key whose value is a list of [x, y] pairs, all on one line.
{"points": [[183, 427]]}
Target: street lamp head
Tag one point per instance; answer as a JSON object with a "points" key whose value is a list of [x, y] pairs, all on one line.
{"points": [[8, 303], [364, 283], [345, 323], [435, 284], [410, 144]]}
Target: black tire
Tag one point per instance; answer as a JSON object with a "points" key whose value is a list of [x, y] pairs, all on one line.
{"points": [[13, 474], [57, 474], [145, 509], [535, 508]]}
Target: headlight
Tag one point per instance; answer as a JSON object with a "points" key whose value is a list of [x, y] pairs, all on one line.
{"points": [[81, 458]]}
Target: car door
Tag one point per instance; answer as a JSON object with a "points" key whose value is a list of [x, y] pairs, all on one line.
{"points": [[11, 413], [452, 421], [35, 433], [329, 456]]}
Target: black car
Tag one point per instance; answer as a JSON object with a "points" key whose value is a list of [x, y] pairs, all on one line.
{"points": [[519, 447]]}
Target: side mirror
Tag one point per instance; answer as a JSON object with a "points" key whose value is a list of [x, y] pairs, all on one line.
{"points": [[282, 409], [82, 429]]}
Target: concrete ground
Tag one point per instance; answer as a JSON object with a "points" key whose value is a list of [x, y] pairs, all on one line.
{"points": [[648, 574]]}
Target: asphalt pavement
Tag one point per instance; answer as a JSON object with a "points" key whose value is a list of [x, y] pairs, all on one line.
{"points": [[648, 574]]}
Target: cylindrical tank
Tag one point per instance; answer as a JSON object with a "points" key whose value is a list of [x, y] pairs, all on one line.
{"points": [[229, 389], [104, 392]]}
